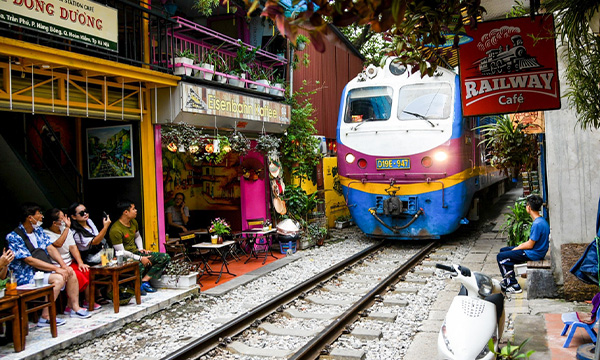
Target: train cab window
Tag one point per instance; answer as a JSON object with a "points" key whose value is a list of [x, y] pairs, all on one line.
{"points": [[425, 101], [369, 104]]}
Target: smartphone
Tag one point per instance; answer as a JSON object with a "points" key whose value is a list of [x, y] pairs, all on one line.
{"points": [[104, 214]]}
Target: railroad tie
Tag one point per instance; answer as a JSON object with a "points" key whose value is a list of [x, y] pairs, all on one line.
{"points": [[346, 291], [295, 313], [395, 302], [428, 271], [284, 331], [366, 334], [327, 301], [344, 354], [238, 347], [405, 290], [352, 279], [382, 316]]}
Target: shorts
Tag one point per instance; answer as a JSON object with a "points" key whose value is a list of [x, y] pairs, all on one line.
{"points": [[83, 278]]}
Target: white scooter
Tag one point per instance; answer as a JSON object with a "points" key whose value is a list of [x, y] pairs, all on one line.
{"points": [[475, 316]]}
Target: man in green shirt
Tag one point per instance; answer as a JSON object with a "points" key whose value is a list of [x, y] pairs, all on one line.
{"points": [[125, 236]]}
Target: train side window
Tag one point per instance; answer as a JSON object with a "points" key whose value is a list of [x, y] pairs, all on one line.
{"points": [[429, 101], [369, 104]]}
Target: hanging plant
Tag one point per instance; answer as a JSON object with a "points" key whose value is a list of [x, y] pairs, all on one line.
{"points": [[239, 143], [268, 145], [218, 149], [181, 134]]}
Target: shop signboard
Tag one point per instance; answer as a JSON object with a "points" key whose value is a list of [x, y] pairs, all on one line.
{"points": [[209, 101], [78, 20], [510, 66]]}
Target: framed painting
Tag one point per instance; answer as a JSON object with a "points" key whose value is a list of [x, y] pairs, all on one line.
{"points": [[110, 152]]}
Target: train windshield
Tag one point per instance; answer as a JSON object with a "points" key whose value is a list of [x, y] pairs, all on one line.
{"points": [[369, 104], [425, 101]]}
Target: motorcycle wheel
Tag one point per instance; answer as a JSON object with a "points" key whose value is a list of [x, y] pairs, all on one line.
{"points": [[586, 352]]}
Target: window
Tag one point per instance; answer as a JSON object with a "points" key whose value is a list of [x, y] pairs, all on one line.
{"points": [[369, 104], [425, 101]]}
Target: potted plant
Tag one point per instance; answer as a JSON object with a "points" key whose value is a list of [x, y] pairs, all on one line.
{"points": [[205, 7], [241, 63], [301, 42], [343, 221], [316, 233], [179, 274], [218, 228], [221, 68], [239, 143], [209, 61], [268, 145], [278, 83], [264, 77], [216, 150], [3, 286], [184, 57]]}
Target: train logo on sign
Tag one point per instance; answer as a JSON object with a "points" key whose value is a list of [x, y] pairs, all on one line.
{"points": [[503, 70]]}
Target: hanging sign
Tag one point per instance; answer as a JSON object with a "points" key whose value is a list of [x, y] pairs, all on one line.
{"points": [[79, 20], [510, 66]]}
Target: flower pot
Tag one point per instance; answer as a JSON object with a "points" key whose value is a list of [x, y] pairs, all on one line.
{"points": [[175, 281], [236, 81], [180, 70], [300, 46], [206, 75], [262, 88], [2, 293], [221, 79], [214, 239], [276, 91]]}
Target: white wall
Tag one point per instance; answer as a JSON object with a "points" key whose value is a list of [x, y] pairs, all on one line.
{"points": [[573, 170]]}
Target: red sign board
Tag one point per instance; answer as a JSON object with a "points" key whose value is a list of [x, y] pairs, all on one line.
{"points": [[510, 66]]}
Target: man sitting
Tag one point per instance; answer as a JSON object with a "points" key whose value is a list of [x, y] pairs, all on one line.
{"points": [[125, 236], [27, 238], [533, 249]]}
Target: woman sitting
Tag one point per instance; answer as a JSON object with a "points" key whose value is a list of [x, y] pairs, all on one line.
{"points": [[56, 225], [178, 216]]}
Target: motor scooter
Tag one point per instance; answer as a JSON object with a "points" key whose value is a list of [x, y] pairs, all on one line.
{"points": [[475, 316]]}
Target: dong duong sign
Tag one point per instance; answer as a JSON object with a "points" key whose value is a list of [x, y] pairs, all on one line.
{"points": [[510, 66], [78, 20]]}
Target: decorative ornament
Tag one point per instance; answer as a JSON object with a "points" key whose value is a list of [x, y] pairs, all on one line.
{"points": [[209, 148], [239, 143], [226, 148], [172, 147], [194, 149]]}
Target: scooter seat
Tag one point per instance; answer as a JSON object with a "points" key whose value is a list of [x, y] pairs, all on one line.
{"points": [[498, 300]]}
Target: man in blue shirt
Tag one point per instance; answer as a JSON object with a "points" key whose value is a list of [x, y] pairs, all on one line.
{"points": [[533, 249]]}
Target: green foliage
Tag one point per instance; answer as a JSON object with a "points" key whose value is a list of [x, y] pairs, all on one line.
{"points": [[299, 204], [343, 218], [268, 145], [316, 231], [517, 224], [182, 134], [179, 267], [3, 283], [300, 155], [212, 57], [239, 143], [369, 43], [243, 59], [511, 148], [510, 352], [187, 53], [517, 10], [205, 7], [219, 226], [582, 54]]}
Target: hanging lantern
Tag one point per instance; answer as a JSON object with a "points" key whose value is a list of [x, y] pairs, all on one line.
{"points": [[226, 149], [194, 149], [181, 148], [209, 148], [172, 147]]}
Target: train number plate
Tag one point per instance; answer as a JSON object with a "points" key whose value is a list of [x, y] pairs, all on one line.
{"points": [[393, 164]]}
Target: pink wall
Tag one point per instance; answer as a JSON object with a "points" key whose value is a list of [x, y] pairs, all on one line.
{"points": [[254, 201], [160, 198]]}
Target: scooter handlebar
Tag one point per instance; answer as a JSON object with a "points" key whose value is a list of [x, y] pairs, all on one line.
{"points": [[445, 267]]}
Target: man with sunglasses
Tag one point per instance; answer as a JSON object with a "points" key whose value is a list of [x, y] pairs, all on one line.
{"points": [[125, 237], [533, 249]]}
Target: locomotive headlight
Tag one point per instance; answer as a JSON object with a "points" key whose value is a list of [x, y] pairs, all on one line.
{"points": [[440, 156], [350, 158]]}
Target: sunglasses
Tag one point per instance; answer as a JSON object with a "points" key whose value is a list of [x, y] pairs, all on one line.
{"points": [[82, 212]]}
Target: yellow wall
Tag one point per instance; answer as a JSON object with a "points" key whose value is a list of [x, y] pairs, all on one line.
{"points": [[335, 204]]}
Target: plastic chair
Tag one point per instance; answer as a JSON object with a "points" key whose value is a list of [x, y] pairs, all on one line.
{"points": [[571, 320]]}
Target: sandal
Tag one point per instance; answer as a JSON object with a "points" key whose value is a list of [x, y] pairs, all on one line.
{"points": [[102, 301]]}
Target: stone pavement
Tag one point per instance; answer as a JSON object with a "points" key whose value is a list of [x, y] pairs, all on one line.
{"points": [[536, 319]]}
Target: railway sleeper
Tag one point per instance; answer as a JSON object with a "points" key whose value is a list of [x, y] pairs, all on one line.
{"points": [[285, 331], [345, 354], [238, 347], [294, 313]]}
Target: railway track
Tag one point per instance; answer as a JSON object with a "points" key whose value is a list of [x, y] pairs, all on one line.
{"points": [[335, 298]]}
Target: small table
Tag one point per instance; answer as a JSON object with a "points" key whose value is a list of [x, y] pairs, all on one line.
{"points": [[114, 276], [251, 235], [9, 305], [220, 249], [36, 295]]}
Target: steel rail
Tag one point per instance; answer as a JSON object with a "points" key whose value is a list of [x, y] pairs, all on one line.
{"points": [[313, 348], [211, 340]]}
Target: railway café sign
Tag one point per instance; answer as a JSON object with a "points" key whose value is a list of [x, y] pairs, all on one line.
{"points": [[79, 20], [504, 70]]}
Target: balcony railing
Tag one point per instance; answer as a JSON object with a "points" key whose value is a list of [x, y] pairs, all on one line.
{"points": [[131, 16], [200, 40]]}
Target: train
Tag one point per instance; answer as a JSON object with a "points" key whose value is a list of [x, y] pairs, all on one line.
{"points": [[508, 60], [409, 163]]}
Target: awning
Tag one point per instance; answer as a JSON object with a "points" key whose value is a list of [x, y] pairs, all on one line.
{"points": [[46, 80]]}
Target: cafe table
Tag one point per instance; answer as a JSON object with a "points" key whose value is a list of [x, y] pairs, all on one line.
{"points": [[114, 275], [252, 235], [221, 250]]}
